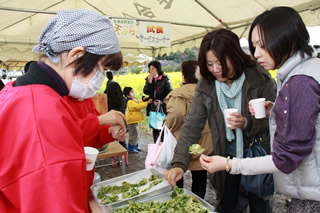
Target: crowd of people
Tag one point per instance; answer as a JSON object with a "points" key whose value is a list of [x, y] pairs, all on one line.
{"points": [[51, 107]]}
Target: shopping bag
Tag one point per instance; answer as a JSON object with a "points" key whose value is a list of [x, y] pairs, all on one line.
{"points": [[156, 118], [260, 185], [167, 151], [154, 153]]}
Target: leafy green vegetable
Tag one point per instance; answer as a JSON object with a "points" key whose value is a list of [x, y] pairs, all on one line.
{"points": [[109, 199], [195, 149], [109, 194], [180, 203]]}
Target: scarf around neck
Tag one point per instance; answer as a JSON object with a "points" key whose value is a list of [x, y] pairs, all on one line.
{"points": [[235, 92]]}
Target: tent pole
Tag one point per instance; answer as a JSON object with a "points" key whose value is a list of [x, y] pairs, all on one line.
{"points": [[27, 10], [111, 17], [211, 13]]}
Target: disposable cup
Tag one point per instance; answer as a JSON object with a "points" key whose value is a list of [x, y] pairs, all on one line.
{"points": [[226, 114], [91, 153], [115, 130], [258, 106]]}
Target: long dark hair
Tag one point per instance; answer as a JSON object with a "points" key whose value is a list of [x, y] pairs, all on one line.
{"points": [[225, 45], [282, 34]]}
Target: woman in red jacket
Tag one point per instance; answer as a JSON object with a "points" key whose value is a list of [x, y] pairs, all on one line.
{"points": [[43, 166]]}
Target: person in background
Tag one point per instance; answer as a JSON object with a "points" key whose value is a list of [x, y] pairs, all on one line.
{"points": [[110, 80], [278, 39], [1, 84], [47, 157], [133, 117], [178, 105], [157, 86], [27, 65], [117, 102], [230, 79]]}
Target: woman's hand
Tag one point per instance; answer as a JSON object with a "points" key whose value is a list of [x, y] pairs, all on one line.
{"points": [[112, 118], [118, 133], [214, 163], [173, 175], [267, 104], [150, 77], [236, 120]]}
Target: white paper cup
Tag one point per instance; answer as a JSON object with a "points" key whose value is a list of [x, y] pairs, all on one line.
{"points": [[226, 114], [258, 106], [91, 153], [115, 130]]}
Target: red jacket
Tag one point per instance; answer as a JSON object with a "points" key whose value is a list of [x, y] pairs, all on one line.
{"points": [[42, 162], [94, 135]]}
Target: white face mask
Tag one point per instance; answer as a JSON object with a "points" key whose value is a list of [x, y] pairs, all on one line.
{"points": [[133, 94], [82, 91]]}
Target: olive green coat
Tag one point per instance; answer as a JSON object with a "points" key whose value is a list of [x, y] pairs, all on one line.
{"points": [[205, 106]]}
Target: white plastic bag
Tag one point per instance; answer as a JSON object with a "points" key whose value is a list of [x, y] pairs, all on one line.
{"points": [[153, 154], [167, 151]]}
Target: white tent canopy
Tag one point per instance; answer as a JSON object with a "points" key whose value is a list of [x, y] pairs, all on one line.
{"points": [[23, 20]]}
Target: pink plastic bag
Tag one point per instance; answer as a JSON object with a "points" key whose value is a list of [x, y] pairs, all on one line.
{"points": [[153, 154]]}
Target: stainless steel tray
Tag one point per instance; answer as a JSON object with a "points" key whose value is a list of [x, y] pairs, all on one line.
{"points": [[146, 173], [166, 196]]}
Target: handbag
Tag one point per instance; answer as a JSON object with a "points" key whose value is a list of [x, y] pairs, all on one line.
{"points": [[260, 185], [167, 151], [156, 118], [154, 153]]}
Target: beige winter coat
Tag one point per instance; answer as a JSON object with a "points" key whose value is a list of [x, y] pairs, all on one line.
{"points": [[178, 105]]}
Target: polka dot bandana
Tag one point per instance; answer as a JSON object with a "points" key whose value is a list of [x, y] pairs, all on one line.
{"points": [[77, 28]]}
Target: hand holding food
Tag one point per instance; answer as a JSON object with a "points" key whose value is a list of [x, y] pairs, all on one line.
{"points": [[173, 175]]}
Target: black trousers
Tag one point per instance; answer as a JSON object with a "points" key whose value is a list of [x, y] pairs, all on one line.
{"points": [[156, 133], [199, 183], [231, 203]]}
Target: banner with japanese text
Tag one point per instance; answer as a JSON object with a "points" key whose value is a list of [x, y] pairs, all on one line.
{"points": [[125, 27], [154, 34]]}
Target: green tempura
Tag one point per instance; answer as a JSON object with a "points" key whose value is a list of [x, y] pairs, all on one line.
{"points": [[195, 149], [180, 203], [109, 194]]}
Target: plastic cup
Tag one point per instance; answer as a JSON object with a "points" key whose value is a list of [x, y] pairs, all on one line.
{"points": [[226, 114], [115, 130], [258, 106], [91, 153]]}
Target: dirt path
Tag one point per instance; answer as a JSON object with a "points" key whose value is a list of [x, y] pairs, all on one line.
{"points": [[136, 163]]}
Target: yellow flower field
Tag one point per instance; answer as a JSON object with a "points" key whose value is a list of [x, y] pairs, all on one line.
{"points": [[137, 81]]}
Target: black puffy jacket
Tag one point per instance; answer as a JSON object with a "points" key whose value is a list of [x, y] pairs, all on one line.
{"points": [[157, 90]]}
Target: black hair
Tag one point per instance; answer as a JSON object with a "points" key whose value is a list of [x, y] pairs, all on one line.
{"points": [[225, 45], [88, 61], [109, 75], [27, 65], [157, 65], [126, 91], [188, 69], [282, 34], [115, 94]]}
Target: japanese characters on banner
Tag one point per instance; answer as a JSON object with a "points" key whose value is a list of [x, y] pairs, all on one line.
{"points": [[154, 34], [125, 27]]}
